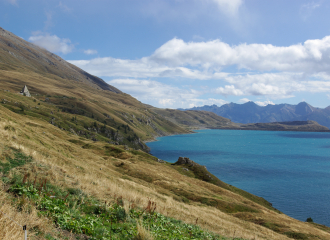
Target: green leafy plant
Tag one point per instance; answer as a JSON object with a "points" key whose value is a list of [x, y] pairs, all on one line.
{"points": [[74, 211]]}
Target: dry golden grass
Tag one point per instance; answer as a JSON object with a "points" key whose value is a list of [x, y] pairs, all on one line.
{"points": [[121, 107], [12, 221], [68, 165], [143, 234]]}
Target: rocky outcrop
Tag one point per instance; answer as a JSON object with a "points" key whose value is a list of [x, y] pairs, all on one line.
{"points": [[198, 170], [187, 161]]}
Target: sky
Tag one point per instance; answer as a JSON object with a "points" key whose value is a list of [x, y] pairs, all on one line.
{"points": [[186, 53]]}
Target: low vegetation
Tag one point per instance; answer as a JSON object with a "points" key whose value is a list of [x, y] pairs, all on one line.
{"points": [[86, 217], [76, 188]]}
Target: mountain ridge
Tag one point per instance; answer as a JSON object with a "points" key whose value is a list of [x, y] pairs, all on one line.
{"points": [[29, 56], [250, 112]]}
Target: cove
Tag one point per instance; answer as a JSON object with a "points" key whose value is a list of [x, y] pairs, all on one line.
{"points": [[289, 169]]}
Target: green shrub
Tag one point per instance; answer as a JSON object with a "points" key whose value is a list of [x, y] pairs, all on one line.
{"points": [[19, 159], [296, 235], [309, 220], [86, 215]]}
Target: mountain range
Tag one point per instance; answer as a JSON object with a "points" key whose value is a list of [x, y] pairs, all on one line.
{"points": [[252, 113]]}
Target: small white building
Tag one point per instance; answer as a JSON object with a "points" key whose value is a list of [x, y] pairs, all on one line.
{"points": [[25, 91]]}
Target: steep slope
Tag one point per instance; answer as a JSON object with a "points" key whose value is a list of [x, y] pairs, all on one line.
{"points": [[252, 113], [17, 54], [64, 88], [98, 111], [48, 172], [195, 119]]}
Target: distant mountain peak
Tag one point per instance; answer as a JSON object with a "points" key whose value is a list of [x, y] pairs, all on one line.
{"points": [[304, 108], [250, 103], [250, 112]]}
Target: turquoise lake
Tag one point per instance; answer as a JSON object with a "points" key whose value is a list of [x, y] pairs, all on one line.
{"points": [[289, 169]]}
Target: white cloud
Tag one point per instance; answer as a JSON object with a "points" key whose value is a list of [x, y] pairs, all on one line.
{"points": [[90, 51], [264, 103], [273, 85], [311, 56], [154, 91], [52, 42], [163, 95], [244, 100], [266, 70], [142, 68], [229, 7], [229, 90], [204, 60]]}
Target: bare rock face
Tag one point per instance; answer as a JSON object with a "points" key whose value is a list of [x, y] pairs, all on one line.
{"points": [[184, 161], [190, 163]]}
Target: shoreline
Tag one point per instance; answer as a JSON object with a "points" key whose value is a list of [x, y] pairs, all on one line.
{"points": [[239, 129], [155, 139], [272, 130]]}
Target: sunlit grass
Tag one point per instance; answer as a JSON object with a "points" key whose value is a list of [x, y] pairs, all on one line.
{"points": [[107, 172]]}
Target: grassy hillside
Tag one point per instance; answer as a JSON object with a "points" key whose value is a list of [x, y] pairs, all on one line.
{"points": [[66, 92], [49, 175], [195, 119], [98, 119]]}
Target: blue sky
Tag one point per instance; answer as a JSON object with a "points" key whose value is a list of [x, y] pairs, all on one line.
{"points": [[185, 53]]}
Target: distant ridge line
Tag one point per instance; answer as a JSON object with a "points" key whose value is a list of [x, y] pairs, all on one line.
{"points": [[250, 112]]}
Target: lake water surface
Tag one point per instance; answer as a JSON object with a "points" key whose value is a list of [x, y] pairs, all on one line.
{"points": [[289, 169]]}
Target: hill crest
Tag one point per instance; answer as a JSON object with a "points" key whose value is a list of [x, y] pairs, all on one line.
{"points": [[18, 54]]}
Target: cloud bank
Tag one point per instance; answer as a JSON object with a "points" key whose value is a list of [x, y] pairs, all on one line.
{"points": [[52, 42], [163, 94], [274, 72], [205, 60]]}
